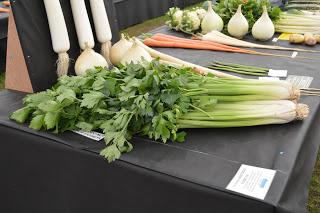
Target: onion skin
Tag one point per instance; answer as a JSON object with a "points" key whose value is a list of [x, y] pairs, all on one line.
{"points": [[135, 54], [263, 29], [238, 25], [88, 60], [211, 20], [119, 49]]}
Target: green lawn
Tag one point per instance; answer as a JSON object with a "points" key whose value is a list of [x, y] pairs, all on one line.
{"points": [[314, 190], [314, 194], [1, 80]]}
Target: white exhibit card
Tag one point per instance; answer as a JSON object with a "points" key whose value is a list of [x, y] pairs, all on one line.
{"points": [[92, 135], [277, 73], [252, 181], [300, 81]]}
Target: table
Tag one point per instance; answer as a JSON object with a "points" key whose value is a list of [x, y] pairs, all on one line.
{"points": [[45, 172]]}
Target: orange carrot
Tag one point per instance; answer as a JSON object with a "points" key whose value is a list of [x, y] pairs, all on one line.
{"points": [[159, 37], [4, 10], [6, 3], [177, 44]]}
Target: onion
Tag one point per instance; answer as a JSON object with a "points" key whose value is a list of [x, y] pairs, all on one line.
{"points": [[135, 55], [238, 25], [211, 20], [88, 60], [263, 29], [119, 49]]}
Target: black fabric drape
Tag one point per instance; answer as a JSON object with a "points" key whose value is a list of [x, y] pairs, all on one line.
{"points": [[39, 175], [3, 38]]}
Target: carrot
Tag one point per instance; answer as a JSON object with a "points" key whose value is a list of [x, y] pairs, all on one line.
{"points": [[177, 44], [6, 3], [160, 37], [4, 10], [205, 45]]}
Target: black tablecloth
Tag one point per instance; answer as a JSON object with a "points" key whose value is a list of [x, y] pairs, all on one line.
{"points": [[43, 172]]}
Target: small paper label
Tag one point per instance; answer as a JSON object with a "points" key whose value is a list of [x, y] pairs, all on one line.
{"points": [[269, 78], [274, 40], [92, 135], [252, 181], [294, 54], [300, 81], [278, 73]]}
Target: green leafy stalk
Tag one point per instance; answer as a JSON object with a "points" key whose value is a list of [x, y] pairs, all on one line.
{"points": [[149, 99]]}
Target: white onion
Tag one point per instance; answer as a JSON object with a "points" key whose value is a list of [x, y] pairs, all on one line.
{"points": [[119, 49], [89, 59], [135, 54], [211, 20], [263, 29], [238, 25]]}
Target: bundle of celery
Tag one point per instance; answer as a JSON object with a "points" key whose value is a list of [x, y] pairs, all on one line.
{"points": [[298, 22], [239, 68], [156, 100], [310, 5]]}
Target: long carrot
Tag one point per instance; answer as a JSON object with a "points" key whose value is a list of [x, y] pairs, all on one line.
{"points": [[4, 10], [160, 37], [163, 38], [179, 44], [6, 3]]}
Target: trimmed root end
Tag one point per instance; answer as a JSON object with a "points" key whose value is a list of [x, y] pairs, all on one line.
{"points": [[302, 111], [105, 51], [295, 94], [63, 64], [197, 36]]}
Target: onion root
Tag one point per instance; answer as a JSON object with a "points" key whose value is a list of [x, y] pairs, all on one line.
{"points": [[63, 64]]}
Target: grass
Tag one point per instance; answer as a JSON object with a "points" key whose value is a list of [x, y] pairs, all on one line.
{"points": [[150, 24], [1, 80], [145, 26], [314, 189]]}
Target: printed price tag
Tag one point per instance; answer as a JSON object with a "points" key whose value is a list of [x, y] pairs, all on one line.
{"points": [[269, 78], [294, 54], [92, 135], [252, 181], [300, 81], [278, 73], [274, 40]]}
